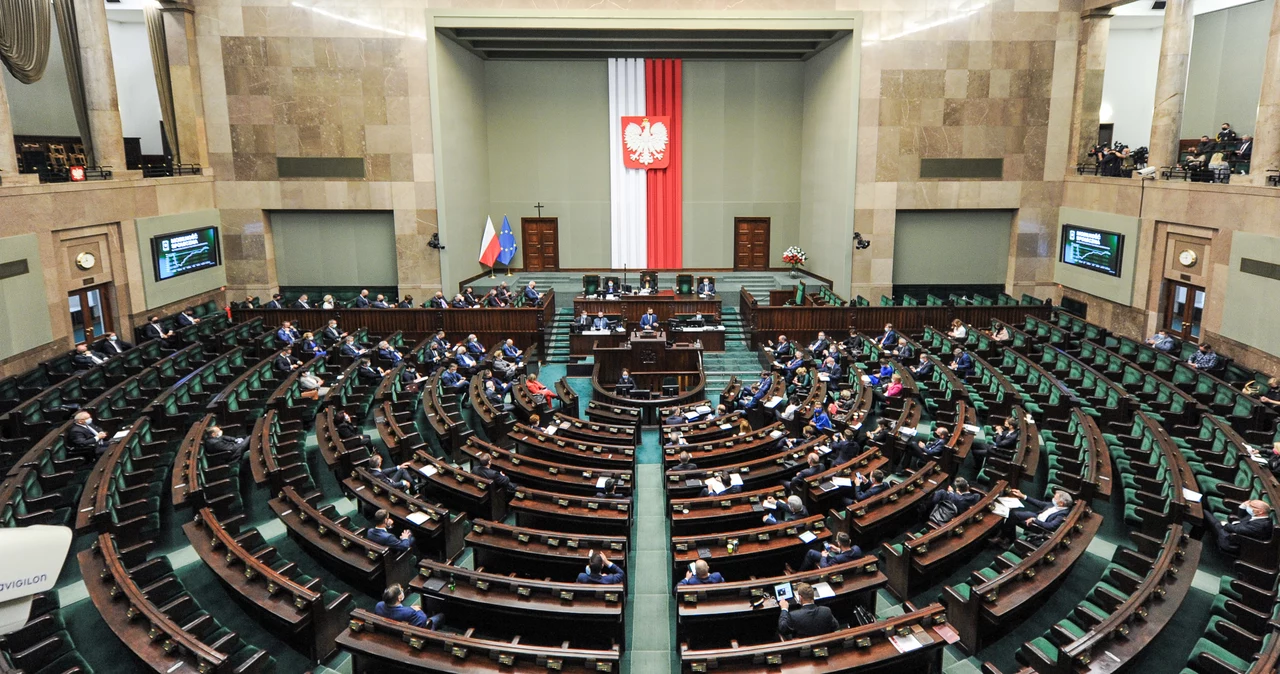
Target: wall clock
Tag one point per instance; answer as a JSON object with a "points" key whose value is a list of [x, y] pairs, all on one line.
{"points": [[86, 260], [1187, 258]]}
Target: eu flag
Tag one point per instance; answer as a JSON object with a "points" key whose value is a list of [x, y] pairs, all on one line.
{"points": [[506, 243]]}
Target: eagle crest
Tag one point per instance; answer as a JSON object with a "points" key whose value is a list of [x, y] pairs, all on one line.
{"points": [[645, 144]]}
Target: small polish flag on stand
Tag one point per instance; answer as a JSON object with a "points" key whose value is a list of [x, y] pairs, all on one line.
{"points": [[489, 247]]}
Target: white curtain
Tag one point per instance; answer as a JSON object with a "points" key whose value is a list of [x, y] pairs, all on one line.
{"points": [[628, 188]]}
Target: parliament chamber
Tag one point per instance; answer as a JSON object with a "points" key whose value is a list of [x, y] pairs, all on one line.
{"points": [[717, 337]]}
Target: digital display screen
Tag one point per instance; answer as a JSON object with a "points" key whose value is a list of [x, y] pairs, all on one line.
{"points": [[1092, 249], [185, 252]]}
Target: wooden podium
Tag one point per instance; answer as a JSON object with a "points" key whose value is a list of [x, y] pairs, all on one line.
{"points": [[652, 363]]}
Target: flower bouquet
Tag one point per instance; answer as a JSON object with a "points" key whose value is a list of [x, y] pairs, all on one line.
{"points": [[795, 257]]}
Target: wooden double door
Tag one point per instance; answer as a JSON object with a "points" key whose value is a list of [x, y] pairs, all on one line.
{"points": [[541, 243], [750, 244]]}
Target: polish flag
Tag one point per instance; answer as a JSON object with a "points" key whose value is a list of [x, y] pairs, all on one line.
{"points": [[489, 247]]}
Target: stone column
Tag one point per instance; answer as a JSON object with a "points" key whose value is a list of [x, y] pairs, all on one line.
{"points": [[184, 76], [1266, 134], [8, 152], [1171, 83], [1091, 64], [100, 85]]}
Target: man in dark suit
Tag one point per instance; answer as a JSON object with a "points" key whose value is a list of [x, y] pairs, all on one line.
{"points": [[362, 301], [512, 353], [350, 348], [388, 353], [399, 476], [222, 449], [819, 344], [701, 574], [301, 303], [889, 338], [958, 495], [84, 439], [285, 363], [531, 294], [785, 511], [920, 452], [832, 370], [813, 466], [504, 293], [474, 347], [903, 351], [484, 468], [380, 303], [440, 339], [600, 571], [1036, 515], [962, 363], [380, 533], [864, 487], [453, 380], [405, 302], [470, 296], [85, 359], [332, 334], [460, 302], [649, 321], [1003, 441], [492, 300], [367, 374], [686, 462], [841, 551], [924, 368], [1252, 519], [348, 432], [600, 323], [187, 317], [808, 619], [783, 349], [277, 302], [438, 301], [706, 287], [154, 330], [112, 345], [582, 322], [843, 450], [391, 608], [1244, 152]]}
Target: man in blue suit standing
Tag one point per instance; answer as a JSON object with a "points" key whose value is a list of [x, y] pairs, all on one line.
{"points": [[381, 535], [649, 320]]}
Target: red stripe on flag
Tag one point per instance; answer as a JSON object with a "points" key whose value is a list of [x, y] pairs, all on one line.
{"points": [[663, 96]]}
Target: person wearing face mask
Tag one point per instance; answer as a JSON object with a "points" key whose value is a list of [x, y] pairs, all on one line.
{"points": [[1037, 515], [223, 449], [112, 345], [1227, 134], [1252, 519]]}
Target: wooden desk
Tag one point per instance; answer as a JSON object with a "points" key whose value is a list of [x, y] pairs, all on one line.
{"points": [[665, 304]]}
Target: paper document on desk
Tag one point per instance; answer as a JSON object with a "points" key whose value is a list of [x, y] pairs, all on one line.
{"points": [[1000, 510], [714, 486], [1009, 502], [972, 429], [702, 409], [1192, 496], [823, 376], [428, 470], [726, 427], [808, 536], [907, 431], [600, 482], [691, 415], [773, 402], [551, 430], [417, 517], [866, 379], [120, 434], [822, 591], [735, 480], [842, 482]]}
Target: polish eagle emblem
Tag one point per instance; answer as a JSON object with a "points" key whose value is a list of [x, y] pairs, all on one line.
{"points": [[644, 142]]}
